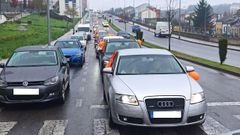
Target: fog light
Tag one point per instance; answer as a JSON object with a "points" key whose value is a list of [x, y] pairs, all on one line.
{"points": [[125, 119], [51, 94]]}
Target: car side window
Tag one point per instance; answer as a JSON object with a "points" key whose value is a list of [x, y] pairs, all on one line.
{"points": [[61, 53]]}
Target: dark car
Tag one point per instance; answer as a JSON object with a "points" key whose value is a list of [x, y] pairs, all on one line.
{"points": [[112, 46], [73, 50], [136, 28], [34, 74], [124, 34]]}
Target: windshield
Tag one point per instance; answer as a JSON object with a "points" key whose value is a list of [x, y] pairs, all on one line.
{"points": [[113, 46], [33, 58], [148, 64], [85, 29], [67, 44]]}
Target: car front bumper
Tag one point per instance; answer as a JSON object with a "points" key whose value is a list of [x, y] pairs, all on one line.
{"points": [[46, 94], [124, 114], [75, 60]]}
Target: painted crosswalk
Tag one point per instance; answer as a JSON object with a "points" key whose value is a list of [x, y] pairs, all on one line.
{"points": [[5, 127], [53, 127], [100, 127]]}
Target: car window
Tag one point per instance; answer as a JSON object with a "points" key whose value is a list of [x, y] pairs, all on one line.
{"points": [[67, 44], [85, 29], [150, 64], [113, 46], [33, 58]]}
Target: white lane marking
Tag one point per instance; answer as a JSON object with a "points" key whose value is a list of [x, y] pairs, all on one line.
{"points": [[78, 103], [5, 127], [212, 104], [101, 127], [237, 116], [99, 107], [213, 127], [53, 127]]}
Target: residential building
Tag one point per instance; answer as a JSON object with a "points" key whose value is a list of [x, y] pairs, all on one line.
{"points": [[129, 12], [234, 8], [139, 9], [80, 5], [118, 11], [150, 12]]}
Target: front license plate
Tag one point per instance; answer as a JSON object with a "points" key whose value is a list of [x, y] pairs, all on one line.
{"points": [[166, 114], [26, 92]]}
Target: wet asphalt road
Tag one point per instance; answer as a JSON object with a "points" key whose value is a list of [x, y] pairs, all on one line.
{"points": [[210, 53], [85, 112]]}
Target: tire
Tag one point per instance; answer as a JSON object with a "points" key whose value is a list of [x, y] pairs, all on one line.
{"points": [[62, 96], [111, 123]]}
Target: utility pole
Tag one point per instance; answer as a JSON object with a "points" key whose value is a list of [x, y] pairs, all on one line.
{"points": [[48, 23], [0, 7], [148, 12], [205, 20], [125, 21], [134, 10], [179, 32]]}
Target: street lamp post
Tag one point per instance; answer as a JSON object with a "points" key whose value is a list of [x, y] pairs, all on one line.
{"points": [[48, 23], [179, 32], [134, 10]]}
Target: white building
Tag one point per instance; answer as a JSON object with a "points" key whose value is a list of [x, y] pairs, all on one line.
{"points": [[234, 8], [139, 9], [78, 4]]}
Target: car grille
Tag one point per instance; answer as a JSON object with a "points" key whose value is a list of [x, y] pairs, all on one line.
{"points": [[165, 104], [35, 83]]}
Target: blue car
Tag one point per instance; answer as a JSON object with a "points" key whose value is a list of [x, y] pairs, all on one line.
{"points": [[136, 28], [73, 50]]}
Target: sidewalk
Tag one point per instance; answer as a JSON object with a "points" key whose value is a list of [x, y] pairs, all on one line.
{"points": [[196, 41]]}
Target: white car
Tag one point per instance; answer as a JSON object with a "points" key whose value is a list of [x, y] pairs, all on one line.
{"points": [[150, 88]]}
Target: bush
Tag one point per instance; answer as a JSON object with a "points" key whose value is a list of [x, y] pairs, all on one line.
{"points": [[18, 22], [223, 45], [29, 22]]}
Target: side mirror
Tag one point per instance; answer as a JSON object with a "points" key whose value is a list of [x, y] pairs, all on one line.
{"points": [[76, 31], [190, 69], [90, 30], [108, 70], [64, 62], [2, 65]]}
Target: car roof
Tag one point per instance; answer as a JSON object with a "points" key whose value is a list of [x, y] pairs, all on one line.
{"points": [[84, 25], [113, 37], [122, 40], [37, 47], [143, 51]]}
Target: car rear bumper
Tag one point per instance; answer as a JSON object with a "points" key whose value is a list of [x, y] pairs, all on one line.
{"points": [[46, 94], [138, 115]]}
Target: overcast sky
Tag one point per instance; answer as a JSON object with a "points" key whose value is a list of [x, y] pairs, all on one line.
{"points": [[107, 4]]}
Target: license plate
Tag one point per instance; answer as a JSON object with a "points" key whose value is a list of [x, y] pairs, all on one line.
{"points": [[166, 114], [25, 92]]}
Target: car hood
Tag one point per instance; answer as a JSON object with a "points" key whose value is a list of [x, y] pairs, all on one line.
{"points": [[158, 85], [20, 74], [71, 51]]}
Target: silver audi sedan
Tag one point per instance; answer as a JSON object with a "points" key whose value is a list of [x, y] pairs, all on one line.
{"points": [[150, 88]]}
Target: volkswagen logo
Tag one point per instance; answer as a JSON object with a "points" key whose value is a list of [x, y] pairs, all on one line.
{"points": [[25, 83], [165, 104]]}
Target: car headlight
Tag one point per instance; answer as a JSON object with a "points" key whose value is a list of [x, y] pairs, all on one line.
{"points": [[197, 97], [3, 83], [127, 99], [51, 81]]}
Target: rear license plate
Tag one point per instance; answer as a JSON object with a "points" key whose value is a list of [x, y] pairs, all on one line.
{"points": [[25, 92], [166, 114]]}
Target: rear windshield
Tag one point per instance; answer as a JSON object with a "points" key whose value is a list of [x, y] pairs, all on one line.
{"points": [[113, 46], [67, 44], [85, 29]]}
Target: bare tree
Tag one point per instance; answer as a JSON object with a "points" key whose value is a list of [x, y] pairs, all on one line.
{"points": [[72, 12], [171, 12]]}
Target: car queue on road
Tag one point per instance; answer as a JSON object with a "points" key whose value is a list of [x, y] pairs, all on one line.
{"points": [[142, 87]]}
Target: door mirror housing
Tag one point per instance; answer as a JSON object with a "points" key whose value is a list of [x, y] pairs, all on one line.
{"points": [[190, 69], [108, 70], [2, 65]]}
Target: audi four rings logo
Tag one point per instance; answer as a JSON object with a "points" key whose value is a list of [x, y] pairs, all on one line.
{"points": [[163, 104], [25, 83]]}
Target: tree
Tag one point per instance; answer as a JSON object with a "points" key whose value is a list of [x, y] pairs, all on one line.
{"points": [[203, 18], [72, 12], [171, 4], [223, 43], [38, 5]]}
